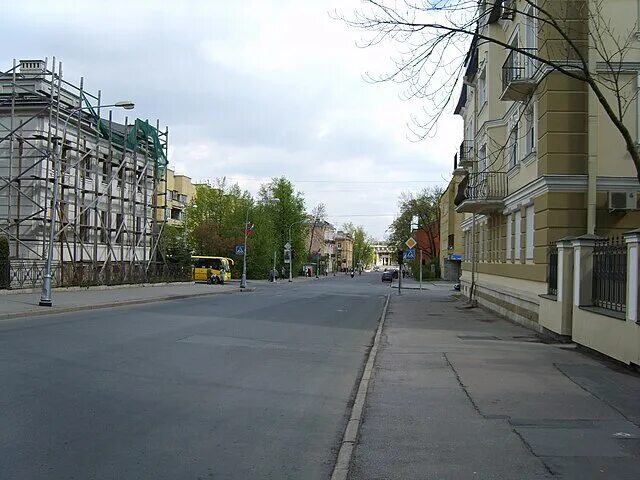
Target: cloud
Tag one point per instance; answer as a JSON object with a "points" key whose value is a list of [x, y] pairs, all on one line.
{"points": [[250, 90]]}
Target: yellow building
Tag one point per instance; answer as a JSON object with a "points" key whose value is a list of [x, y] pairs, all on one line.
{"points": [[451, 235], [180, 191], [344, 251], [544, 163]]}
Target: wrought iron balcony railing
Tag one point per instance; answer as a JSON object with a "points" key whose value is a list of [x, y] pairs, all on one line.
{"points": [[466, 154], [483, 192], [518, 74]]}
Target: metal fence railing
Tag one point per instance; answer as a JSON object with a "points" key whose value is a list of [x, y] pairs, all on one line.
{"points": [[30, 273], [552, 277], [610, 274]]}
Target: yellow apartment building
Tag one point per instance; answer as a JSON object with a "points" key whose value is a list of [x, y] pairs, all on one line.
{"points": [[180, 191], [451, 235], [344, 251], [544, 162]]}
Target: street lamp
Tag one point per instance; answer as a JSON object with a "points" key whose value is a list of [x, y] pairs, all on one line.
{"points": [[243, 279], [45, 295]]}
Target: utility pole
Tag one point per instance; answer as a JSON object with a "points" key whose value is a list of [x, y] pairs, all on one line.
{"points": [[400, 258], [420, 269]]}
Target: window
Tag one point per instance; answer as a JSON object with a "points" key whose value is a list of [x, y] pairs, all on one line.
{"points": [[84, 225], [482, 88], [531, 41], [509, 237], [508, 9], [517, 234], [530, 232], [119, 228], [530, 125], [138, 229], [482, 159], [513, 146], [104, 230], [450, 242]]}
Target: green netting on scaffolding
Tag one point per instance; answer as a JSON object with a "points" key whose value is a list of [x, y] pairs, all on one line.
{"points": [[138, 133]]}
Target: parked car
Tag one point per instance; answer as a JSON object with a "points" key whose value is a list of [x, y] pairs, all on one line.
{"points": [[387, 276]]}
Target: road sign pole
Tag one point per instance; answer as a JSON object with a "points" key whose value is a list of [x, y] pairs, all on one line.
{"points": [[420, 269]]}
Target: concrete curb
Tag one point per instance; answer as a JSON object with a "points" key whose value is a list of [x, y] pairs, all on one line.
{"points": [[350, 437], [124, 303]]}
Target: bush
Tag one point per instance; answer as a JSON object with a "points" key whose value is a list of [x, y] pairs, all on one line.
{"points": [[4, 263]]}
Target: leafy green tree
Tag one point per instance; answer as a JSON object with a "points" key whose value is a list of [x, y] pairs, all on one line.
{"points": [[215, 220], [426, 206], [363, 254], [284, 207], [173, 246]]}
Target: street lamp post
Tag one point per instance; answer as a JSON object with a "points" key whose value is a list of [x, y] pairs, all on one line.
{"points": [[45, 294], [243, 279]]}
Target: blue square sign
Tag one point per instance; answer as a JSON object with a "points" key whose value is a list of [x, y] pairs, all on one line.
{"points": [[410, 254], [239, 249]]}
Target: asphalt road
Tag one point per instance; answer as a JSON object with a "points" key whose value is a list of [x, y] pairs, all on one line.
{"points": [[250, 385]]}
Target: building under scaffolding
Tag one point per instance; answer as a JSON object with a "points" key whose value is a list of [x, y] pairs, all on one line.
{"points": [[108, 221]]}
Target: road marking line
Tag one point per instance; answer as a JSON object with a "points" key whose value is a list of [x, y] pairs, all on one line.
{"points": [[349, 439]]}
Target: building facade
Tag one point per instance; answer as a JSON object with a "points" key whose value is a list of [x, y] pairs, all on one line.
{"points": [[451, 235], [173, 204], [544, 161], [343, 251], [384, 255], [102, 174]]}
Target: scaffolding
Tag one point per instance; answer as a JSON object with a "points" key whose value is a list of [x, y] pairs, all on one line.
{"points": [[112, 183]]}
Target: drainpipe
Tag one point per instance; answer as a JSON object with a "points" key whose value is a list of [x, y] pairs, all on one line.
{"points": [[592, 164]]}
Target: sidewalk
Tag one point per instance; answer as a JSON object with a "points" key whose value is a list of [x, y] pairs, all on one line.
{"points": [[26, 304], [461, 394]]}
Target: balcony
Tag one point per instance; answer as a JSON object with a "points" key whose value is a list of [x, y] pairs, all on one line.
{"points": [[482, 192], [518, 72], [466, 157]]}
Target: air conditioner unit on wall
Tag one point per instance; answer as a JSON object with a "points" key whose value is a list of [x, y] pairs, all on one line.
{"points": [[623, 201]]}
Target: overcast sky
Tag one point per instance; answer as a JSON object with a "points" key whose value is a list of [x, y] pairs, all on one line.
{"points": [[250, 90]]}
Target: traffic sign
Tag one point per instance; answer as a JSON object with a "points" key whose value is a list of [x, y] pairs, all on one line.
{"points": [[239, 249], [287, 246], [410, 254], [410, 243]]}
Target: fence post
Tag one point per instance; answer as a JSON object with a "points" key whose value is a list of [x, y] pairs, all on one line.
{"points": [[583, 268], [565, 283], [633, 281]]}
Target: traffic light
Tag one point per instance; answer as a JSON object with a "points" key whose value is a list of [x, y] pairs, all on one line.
{"points": [[400, 255]]}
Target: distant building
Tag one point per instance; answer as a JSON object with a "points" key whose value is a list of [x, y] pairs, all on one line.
{"points": [[172, 204], [344, 251], [384, 255]]}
